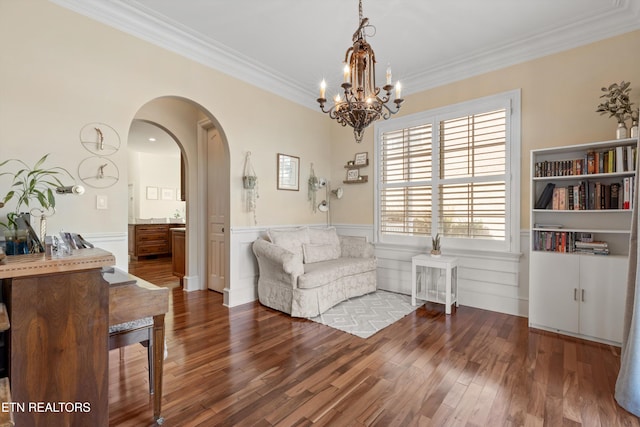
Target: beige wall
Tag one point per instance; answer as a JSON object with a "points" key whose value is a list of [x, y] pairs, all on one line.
{"points": [[60, 71], [560, 94]]}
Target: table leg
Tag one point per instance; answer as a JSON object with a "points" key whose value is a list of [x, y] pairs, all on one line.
{"points": [[455, 269], [447, 297], [414, 281], [158, 361]]}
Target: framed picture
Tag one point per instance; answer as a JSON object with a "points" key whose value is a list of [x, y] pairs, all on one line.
{"points": [[361, 159], [288, 172], [168, 194], [152, 193], [352, 175]]}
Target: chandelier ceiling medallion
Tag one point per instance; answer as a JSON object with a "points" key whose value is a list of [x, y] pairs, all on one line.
{"points": [[362, 103]]}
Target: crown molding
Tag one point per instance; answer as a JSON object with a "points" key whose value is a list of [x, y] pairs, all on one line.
{"points": [[624, 16], [144, 24]]}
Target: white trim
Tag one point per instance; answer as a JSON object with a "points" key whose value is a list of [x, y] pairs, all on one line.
{"points": [[624, 18], [140, 22], [511, 100], [496, 281], [116, 243], [143, 23]]}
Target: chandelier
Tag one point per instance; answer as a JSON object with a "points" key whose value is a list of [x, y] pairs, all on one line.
{"points": [[362, 103]]}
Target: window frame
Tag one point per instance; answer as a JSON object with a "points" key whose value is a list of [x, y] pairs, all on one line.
{"points": [[508, 100]]}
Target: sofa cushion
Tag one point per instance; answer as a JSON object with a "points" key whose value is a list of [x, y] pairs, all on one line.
{"points": [[318, 253], [321, 273], [291, 240], [355, 247], [324, 245]]}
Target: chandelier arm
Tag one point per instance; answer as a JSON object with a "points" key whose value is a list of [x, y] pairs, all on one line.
{"points": [[386, 113], [346, 55]]}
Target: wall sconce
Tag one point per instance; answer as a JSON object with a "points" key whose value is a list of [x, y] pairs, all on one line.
{"points": [[70, 189], [323, 206]]}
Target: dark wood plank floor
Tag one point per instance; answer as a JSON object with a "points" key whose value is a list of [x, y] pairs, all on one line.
{"points": [[250, 365]]}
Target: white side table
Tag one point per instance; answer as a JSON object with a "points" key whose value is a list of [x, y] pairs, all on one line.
{"points": [[428, 286]]}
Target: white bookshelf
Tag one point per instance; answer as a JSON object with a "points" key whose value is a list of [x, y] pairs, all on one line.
{"points": [[575, 293]]}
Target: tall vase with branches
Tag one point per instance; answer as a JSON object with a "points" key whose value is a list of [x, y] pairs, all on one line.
{"points": [[617, 104]]}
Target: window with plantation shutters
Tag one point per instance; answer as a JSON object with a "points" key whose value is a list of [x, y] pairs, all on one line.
{"points": [[406, 159], [449, 171], [472, 180]]}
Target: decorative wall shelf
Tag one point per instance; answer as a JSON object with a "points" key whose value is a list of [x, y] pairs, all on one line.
{"points": [[361, 180], [354, 166]]}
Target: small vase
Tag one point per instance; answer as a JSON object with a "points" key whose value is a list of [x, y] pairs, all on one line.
{"points": [[435, 254], [16, 242], [621, 131], [634, 129]]}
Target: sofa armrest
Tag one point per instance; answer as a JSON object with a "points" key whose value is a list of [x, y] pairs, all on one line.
{"points": [[277, 263], [356, 247]]}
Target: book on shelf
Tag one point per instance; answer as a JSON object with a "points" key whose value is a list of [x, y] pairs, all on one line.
{"points": [[541, 225], [589, 195], [628, 189], [568, 242], [591, 244], [611, 160], [594, 248], [545, 197]]}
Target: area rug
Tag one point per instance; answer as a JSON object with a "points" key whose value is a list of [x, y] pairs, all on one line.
{"points": [[364, 316]]}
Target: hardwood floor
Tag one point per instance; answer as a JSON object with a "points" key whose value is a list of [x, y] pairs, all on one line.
{"points": [[155, 270], [250, 365]]}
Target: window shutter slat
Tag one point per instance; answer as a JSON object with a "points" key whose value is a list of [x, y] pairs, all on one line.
{"points": [[470, 187]]}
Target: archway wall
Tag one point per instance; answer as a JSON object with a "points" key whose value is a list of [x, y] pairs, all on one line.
{"points": [[61, 71]]}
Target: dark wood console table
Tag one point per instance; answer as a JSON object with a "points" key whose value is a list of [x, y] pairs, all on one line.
{"points": [[57, 343], [60, 311]]}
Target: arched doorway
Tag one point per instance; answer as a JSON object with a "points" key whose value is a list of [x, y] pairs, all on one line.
{"points": [[205, 152]]}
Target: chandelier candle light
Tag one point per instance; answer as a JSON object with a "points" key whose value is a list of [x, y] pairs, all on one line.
{"points": [[362, 104]]}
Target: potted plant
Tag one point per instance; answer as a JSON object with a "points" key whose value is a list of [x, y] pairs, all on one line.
{"points": [[435, 245], [30, 185], [617, 104]]}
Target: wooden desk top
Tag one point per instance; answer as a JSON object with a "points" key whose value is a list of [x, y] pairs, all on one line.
{"points": [[35, 264], [132, 298]]}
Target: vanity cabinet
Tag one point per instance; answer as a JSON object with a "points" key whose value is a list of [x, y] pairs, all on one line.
{"points": [[149, 239], [178, 252]]}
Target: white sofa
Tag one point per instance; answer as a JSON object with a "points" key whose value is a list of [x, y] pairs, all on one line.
{"points": [[306, 271]]}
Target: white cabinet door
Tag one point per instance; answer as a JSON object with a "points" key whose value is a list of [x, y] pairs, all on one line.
{"points": [[603, 294], [554, 290]]}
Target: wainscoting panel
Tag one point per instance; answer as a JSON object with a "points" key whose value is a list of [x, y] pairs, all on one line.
{"points": [[496, 282], [243, 277], [116, 243], [491, 281]]}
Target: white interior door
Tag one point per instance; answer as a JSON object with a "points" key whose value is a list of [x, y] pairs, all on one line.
{"points": [[216, 188]]}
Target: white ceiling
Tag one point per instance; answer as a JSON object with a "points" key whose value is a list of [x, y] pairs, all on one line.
{"points": [[138, 140], [289, 46]]}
